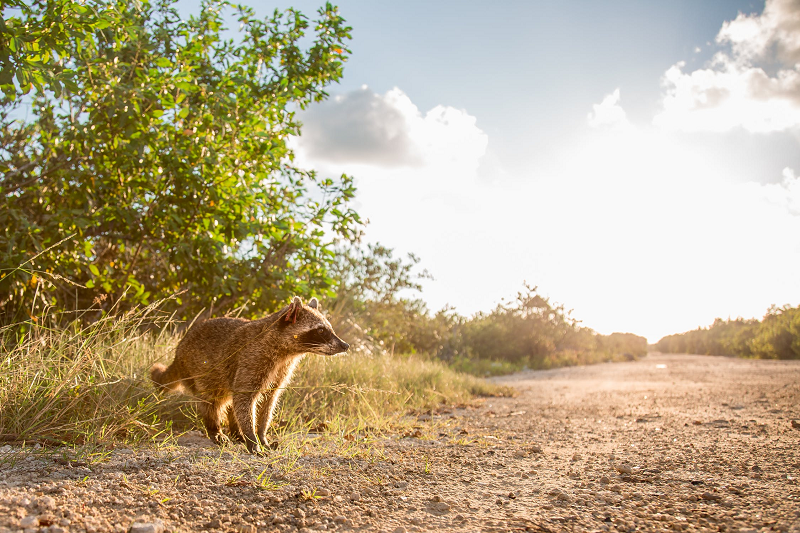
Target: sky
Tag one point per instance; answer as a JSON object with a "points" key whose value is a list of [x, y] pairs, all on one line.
{"points": [[637, 161]]}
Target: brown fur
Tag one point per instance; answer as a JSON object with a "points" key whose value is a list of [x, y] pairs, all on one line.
{"points": [[243, 367]]}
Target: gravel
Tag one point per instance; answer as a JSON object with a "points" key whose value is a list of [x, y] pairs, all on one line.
{"points": [[679, 443]]}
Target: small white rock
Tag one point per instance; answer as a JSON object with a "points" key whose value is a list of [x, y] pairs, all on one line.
{"points": [[156, 526], [29, 521], [624, 469], [46, 502]]}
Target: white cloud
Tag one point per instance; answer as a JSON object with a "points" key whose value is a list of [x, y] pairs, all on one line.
{"points": [[786, 194], [773, 34], [756, 85], [608, 113], [386, 131], [629, 227]]}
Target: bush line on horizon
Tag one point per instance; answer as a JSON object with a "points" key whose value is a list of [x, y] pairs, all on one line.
{"points": [[776, 336]]}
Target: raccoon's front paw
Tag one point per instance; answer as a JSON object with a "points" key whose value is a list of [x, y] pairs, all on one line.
{"points": [[218, 438]]}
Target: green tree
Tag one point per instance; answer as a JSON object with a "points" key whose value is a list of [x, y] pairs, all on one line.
{"points": [[168, 169], [35, 40], [376, 299], [778, 335]]}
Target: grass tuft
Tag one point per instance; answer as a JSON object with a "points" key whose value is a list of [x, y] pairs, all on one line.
{"points": [[82, 384]]}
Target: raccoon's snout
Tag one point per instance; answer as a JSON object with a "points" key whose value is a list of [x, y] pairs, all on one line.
{"points": [[343, 346]]}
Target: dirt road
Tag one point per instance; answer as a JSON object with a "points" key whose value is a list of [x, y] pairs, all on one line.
{"points": [[683, 443]]}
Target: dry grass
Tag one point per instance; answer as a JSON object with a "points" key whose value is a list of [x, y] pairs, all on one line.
{"points": [[90, 385]]}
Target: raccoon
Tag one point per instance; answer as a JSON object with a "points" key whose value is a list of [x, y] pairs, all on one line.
{"points": [[241, 367]]}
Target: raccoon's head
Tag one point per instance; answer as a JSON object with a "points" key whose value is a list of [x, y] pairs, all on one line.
{"points": [[308, 331]]}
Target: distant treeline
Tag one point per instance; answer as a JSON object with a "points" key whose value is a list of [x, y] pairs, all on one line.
{"points": [[777, 336], [528, 332]]}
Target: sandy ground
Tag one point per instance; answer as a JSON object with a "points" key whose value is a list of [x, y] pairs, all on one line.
{"points": [[683, 443]]}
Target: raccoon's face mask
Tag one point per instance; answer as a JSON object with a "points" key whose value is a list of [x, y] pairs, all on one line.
{"points": [[314, 333], [322, 340]]}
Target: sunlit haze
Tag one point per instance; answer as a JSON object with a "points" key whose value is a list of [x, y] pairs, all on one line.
{"points": [[636, 162]]}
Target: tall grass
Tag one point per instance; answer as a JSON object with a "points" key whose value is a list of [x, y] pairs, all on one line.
{"points": [[89, 384], [83, 383], [371, 387]]}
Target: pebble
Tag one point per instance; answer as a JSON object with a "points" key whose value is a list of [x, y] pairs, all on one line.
{"points": [[323, 492], [245, 528], [399, 529], [355, 497], [604, 480], [339, 519], [624, 469], [29, 521], [156, 526], [46, 502], [299, 513], [520, 453], [710, 496]]}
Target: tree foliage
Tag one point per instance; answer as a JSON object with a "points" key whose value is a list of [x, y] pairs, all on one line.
{"points": [[777, 336], [35, 40], [168, 169]]}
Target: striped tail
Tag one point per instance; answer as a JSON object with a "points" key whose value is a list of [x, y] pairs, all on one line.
{"points": [[168, 379]]}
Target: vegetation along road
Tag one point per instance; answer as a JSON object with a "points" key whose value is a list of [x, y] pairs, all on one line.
{"points": [[669, 442]]}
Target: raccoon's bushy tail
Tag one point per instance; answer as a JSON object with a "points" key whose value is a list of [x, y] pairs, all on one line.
{"points": [[168, 379]]}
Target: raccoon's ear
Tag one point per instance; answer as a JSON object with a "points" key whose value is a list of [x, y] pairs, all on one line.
{"points": [[293, 310], [313, 303]]}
